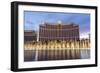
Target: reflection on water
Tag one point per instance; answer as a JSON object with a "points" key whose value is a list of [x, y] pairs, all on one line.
{"points": [[65, 54], [85, 53]]}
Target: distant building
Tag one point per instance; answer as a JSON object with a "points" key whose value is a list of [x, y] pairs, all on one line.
{"points": [[59, 31], [30, 35]]}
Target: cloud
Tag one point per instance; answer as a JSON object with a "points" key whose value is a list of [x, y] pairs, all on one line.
{"points": [[84, 35]]}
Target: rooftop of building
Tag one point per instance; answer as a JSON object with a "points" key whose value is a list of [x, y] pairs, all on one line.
{"points": [[30, 33], [59, 23]]}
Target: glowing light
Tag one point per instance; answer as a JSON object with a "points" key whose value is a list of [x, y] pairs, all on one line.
{"points": [[58, 45]]}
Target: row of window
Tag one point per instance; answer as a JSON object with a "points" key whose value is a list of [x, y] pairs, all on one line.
{"points": [[58, 33]]}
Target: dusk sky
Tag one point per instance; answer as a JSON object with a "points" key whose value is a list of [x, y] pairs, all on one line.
{"points": [[32, 20]]}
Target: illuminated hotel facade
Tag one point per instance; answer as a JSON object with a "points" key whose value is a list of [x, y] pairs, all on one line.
{"points": [[59, 31]]}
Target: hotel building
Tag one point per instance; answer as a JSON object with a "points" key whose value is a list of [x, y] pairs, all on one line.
{"points": [[58, 31], [30, 35]]}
